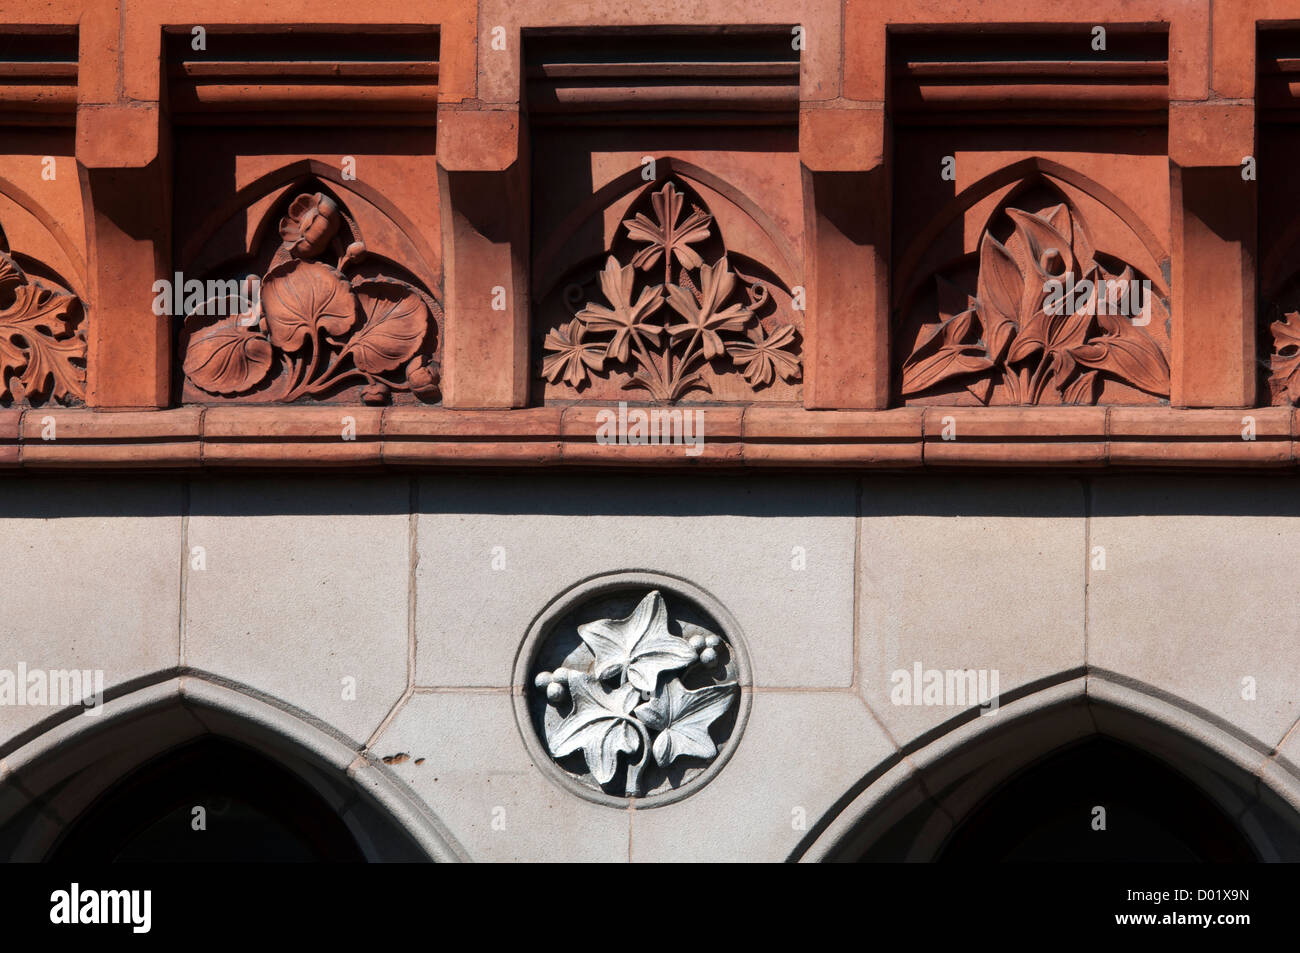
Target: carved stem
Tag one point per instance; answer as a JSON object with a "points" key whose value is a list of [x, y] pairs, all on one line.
{"points": [[648, 362], [317, 349], [1040, 377], [341, 372], [668, 347], [685, 362], [298, 375], [634, 769]]}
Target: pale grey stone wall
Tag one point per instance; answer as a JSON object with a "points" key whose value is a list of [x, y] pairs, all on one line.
{"points": [[420, 590]]}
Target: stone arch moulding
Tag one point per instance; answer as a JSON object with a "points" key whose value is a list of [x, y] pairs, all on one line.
{"points": [[427, 258], [43, 350], [632, 686], [74, 277], [690, 294], [975, 757], [1034, 286], [59, 769], [316, 292]]}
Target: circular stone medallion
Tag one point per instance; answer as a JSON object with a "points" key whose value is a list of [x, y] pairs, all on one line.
{"points": [[633, 686]]}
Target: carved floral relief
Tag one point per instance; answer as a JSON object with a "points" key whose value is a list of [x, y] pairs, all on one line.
{"points": [[671, 312], [42, 343], [1047, 322], [316, 324], [1284, 362], [640, 703]]}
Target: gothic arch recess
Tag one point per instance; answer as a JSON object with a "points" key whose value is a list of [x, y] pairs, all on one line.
{"points": [[73, 771], [973, 771]]}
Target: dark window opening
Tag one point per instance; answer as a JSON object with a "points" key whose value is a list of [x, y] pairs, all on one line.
{"points": [[1046, 813], [255, 810]]}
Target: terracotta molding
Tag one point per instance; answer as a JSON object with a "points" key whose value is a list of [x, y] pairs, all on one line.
{"points": [[124, 162], [1214, 216], [192, 438], [847, 186], [484, 201]]}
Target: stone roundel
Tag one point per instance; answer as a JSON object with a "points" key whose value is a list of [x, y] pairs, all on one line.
{"points": [[632, 686]]}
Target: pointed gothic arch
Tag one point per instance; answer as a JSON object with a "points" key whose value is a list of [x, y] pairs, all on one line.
{"points": [[152, 750], [974, 773]]}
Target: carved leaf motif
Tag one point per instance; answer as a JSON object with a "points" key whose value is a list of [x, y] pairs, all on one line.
{"points": [[395, 326], [11, 276], [50, 369], [1133, 359], [626, 319], [1052, 334], [32, 327], [682, 717], [999, 289], [572, 354], [300, 298], [706, 317], [1038, 235], [637, 648], [601, 726], [228, 357], [1029, 340], [1082, 390], [763, 356], [947, 352], [12, 360], [710, 300], [1286, 355], [324, 331], [668, 236]]}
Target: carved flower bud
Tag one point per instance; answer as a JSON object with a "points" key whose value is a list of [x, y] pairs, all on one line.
{"points": [[1052, 262], [542, 680], [310, 224], [556, 693], [375, 394], [423, 381], [712, 641], [709, 656], [696, 642]]}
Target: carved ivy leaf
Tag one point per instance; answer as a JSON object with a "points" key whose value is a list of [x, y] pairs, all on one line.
{"points": [[396, 323], [667, 236], [682, 717], [637, 648], [227, 357], [601, 726], [300, 298]]}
